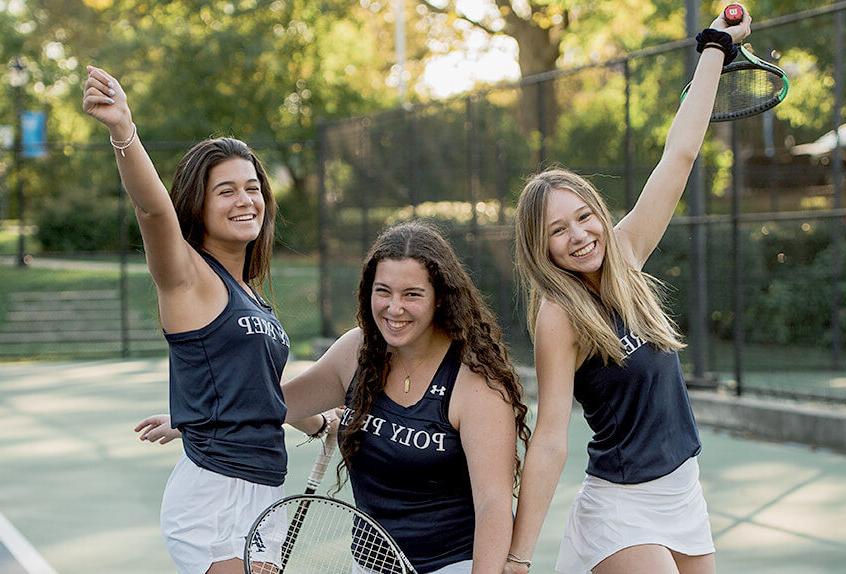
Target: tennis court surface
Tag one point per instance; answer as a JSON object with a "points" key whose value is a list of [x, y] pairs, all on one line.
{"points": [[79, 493]]}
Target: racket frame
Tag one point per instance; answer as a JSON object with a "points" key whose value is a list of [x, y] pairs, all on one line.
{"points": [[299, 501], [752, 62]]}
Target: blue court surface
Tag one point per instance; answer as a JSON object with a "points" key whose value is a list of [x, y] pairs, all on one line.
{"points": [[80, 494]]}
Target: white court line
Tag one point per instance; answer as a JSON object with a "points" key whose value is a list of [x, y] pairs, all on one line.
{"points": [[22, 550]]}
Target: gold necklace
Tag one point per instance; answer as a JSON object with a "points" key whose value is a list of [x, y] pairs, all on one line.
{"points": [[406, 384]]}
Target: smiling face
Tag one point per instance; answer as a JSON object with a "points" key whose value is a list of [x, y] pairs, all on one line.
{"points": [[575, 233], [403, 302], [233, 210]]}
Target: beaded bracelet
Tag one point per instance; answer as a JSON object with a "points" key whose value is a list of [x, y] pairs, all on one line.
{"points": [[517, 560], [121, 145]]}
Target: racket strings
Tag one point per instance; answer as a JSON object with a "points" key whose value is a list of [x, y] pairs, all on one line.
{"points": [[747, 90], [322, 538]]}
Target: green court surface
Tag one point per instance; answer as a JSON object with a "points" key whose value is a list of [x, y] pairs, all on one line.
{"points": [[84, 493]]}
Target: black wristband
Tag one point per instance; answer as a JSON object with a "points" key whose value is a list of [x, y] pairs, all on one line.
{"points": [[322, 428], [723, 39]]}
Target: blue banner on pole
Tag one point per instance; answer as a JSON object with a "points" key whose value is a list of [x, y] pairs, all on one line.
{"points": [[33, 134]]}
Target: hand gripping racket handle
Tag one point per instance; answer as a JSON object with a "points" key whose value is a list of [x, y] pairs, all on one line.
{"points": [[733, 14], [321, 463], [318, 469]]}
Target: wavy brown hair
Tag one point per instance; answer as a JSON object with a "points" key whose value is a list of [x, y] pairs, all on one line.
{"points": [[188, 193], [460, 312]]}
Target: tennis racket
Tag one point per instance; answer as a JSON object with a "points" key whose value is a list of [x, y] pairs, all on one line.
{"points": [[324, 535], [748, 86]]}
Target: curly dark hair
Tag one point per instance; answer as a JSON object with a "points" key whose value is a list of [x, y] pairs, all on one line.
{"points": [[460, 312]]}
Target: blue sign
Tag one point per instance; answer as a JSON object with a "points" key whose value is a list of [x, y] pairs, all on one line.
{"points": [[33, 134]]}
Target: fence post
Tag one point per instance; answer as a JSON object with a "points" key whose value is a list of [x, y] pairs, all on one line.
{"points": [[737, 259], [364, 191], [324, 285], [473, 184], [837, 183], [698, 303], [629, 144], [411, 146], [123, 241], [541, 123]]}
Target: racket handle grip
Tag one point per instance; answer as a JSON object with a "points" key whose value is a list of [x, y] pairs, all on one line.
{"points": [[321, 463], [733, 14]]}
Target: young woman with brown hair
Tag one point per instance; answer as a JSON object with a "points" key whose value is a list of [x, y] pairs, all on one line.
{"points": [[433, 405], [208, 246]]}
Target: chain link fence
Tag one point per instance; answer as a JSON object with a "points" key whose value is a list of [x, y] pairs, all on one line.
{"points": [[86, 292], [753, 259]]}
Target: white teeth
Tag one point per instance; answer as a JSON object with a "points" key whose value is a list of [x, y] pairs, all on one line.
{"points": [[243, 218], [585, 250], [396, 324]]}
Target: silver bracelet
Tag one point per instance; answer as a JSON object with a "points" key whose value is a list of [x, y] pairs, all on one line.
{"points": [[517, 560], [121, 145]]}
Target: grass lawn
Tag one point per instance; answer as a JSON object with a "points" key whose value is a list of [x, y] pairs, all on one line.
{"points": [[294, 295]]}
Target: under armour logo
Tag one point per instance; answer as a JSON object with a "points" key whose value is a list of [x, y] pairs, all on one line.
{"points": [[436, 390]]}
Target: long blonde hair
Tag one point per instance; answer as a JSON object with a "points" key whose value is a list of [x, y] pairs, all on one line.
{"points": [[636, 296]]}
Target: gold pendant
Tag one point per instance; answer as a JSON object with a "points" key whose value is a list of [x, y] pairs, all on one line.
{"points": [[407, 384]]}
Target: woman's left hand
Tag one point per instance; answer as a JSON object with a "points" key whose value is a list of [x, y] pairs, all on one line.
{"points": [[738, 32], [157, 429]]}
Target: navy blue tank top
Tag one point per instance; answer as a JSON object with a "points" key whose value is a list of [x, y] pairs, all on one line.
{"points": [[225, 393], [639, 412], [410, 473]]}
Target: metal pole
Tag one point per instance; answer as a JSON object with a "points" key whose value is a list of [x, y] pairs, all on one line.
{"points": [[837, 182], [324, 287], [629, 147], [364, 190], [737, 260], [541, 123], [473, 191], [123, 240], [698, 304], [411, 158], [16, 161]]}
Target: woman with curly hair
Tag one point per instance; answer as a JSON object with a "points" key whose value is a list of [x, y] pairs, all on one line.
{"points": [[433, 405]]}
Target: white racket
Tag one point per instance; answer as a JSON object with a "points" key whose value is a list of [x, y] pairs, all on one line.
{"points": [[322, 536]]}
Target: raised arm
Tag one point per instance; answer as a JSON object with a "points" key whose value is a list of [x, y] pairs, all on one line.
{"points": [[641, 230], [170, 259], [489, 439], [555, 364]]}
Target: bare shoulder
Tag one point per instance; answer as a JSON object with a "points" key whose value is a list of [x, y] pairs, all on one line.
{"points": [[553, 324], [475, 390], [476, 399], [342, 357], [345, 348]]}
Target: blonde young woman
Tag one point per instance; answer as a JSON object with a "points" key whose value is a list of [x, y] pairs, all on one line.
{"points": [[602, 337]]}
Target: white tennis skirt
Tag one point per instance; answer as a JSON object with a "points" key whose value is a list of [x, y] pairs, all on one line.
{"points": [[607, 517], [206, 516]]}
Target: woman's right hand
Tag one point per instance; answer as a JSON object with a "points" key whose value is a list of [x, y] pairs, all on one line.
{"points": [[104, 100], [157, 429], [739, 31]]}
